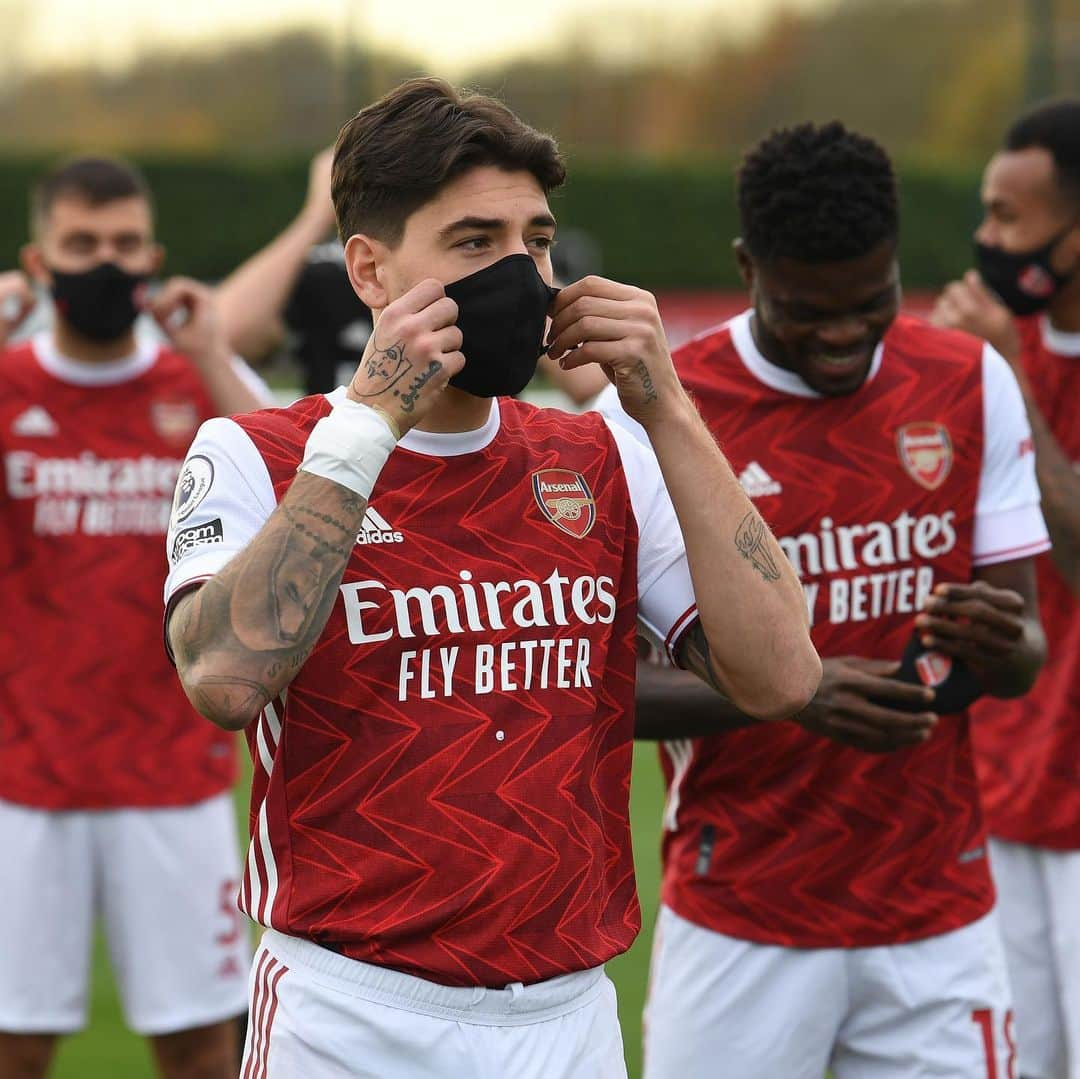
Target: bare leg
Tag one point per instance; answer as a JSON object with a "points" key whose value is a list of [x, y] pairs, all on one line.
{"points": [[26, 1056], [202, 1053]]}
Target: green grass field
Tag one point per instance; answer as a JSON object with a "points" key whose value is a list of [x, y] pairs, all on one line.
{"points": [[107, 1050]]}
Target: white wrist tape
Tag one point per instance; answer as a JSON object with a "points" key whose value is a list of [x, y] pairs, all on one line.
{"points": [[350, 446]]}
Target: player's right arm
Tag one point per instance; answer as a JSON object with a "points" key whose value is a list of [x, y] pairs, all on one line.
{"points": [[251, 299], [240, 639], [851, 706]]}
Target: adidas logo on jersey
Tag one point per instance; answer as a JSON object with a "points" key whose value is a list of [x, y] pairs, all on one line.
{"points": [[756, 482], [376, 529], [34, 421]]}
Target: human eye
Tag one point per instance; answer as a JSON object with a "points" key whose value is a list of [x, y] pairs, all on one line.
{"points": [[473, 243]]}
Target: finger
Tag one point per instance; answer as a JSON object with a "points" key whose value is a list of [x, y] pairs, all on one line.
{"points": [[602, 352], [590, 305], [175, 293], [870, 739], [452, 363], [938, 631], [973, 655], [425, 294], [1005, 598], [890, 689], [593, 286], [437, 315], [448, 339], [883, 718], [587, 328], [1001, 622]]}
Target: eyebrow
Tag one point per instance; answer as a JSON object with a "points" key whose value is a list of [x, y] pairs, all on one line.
{"points": [[492, 224]]}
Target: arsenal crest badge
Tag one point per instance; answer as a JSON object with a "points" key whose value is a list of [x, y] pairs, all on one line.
{"points": [[933, 668], [176, 421], [565, 500], [926, 453]]}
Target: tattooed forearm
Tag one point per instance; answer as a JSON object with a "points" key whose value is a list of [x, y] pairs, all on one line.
{"points": [[693, 655], [383, 368], [321, 545], [240, 640], [752, 542], [646, 381]]}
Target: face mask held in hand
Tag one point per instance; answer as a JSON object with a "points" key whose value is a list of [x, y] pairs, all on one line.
{"points": [[502, 312], [1024, 281], [100, 303]]}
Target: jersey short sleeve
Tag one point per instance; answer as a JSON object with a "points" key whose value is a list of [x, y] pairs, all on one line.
{"points": [[223, 497], [666, 605], [1008, 522]]}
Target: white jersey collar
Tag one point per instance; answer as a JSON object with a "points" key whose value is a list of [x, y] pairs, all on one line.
{"points": [[1058, 341], [439, 443], [80, 373], [779, 378]]}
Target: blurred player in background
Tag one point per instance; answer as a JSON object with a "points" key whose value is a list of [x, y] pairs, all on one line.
{"points": [[295, 292], [1024, 299], [431, 642], [113, 792], [826, 896]]}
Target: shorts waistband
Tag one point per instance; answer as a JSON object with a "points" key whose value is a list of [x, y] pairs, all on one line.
{"points": [[517, 1004]]}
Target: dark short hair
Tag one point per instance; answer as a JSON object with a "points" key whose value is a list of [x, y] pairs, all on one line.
{"points": [[1053, 126], [816, 194], [397, 154], [93, 180]]}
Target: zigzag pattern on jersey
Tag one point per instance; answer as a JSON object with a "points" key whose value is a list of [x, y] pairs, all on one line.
{"points": [[815, 844], [1028, 748], [92, 715], [407, 833]]}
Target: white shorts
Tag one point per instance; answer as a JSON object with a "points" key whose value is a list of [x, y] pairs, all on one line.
{"points": [[720, 1007], [1039, 901], [163, 882], [317, 1013]]}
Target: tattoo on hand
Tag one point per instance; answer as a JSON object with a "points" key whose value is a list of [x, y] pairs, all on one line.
{"points": [[646, 382], [383, 367], [751, 541], [408, 398]]}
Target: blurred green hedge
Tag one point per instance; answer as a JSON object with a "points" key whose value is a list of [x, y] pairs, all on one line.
{"points": [[659, 224]]}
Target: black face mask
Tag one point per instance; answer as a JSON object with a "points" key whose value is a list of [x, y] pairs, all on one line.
{"points": [[501, 314], [98, 303], [1024, 281]]}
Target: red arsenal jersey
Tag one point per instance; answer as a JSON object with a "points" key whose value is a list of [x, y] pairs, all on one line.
{"points": [[444, 789], [777, 835], [91, 714], [1029, 748]]}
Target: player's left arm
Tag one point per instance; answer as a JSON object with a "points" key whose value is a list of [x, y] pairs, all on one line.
{"points": [[992, 622], [186, 312], [755, 628]]}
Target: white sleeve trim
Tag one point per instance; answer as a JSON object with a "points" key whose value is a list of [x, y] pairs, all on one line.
{"points": [[1008, 521], [1009, 534]]}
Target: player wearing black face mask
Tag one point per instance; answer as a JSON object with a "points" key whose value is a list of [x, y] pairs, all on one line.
{"points": [[1025, 299], [105, 766]]}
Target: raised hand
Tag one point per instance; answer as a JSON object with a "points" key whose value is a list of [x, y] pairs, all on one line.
{"points": [[414, 351], [617, 326], [16, 301]]}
